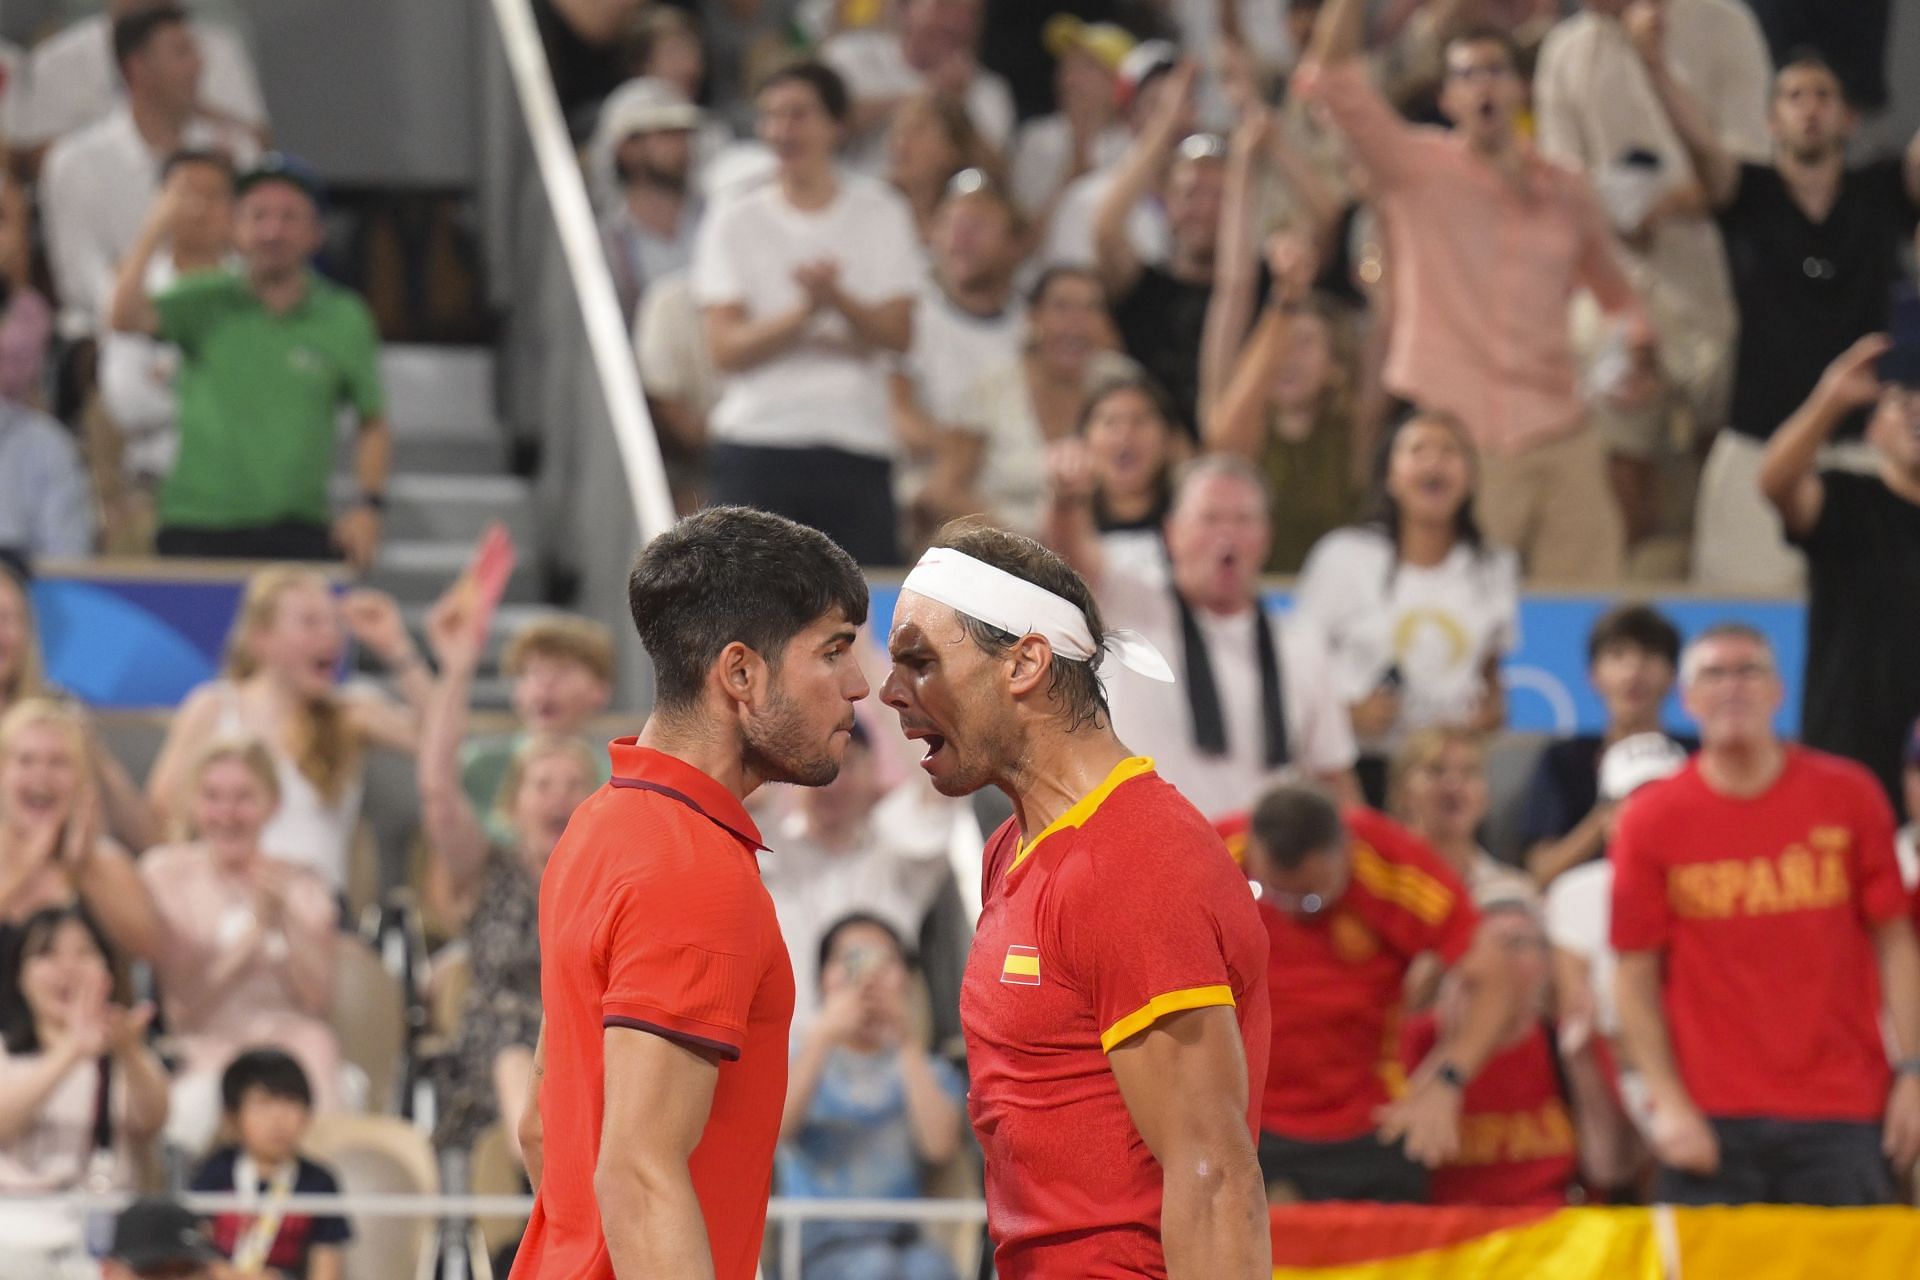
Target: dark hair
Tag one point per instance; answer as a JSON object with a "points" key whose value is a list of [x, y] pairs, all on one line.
{"points": [[1075, 685], [1639, 625], [1294, 821], [1064, 271], [1383, 512], [1805, 57], [24, 941], [1486, 33], [199, 155], [851, 920], [272, 1071], [1136, 380], [732, 573], [132, 32], [822, 79]]}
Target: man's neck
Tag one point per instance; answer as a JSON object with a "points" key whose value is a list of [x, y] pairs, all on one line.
{"points": [[1190, 266], [716, 754], [159, 129], [1056, 772], [655, 207], [1131, 508], [810, 186], [983, 298], [1219, 608], [280, 293], [1503, 152], [1745, 769], [1814, 184], [1619, 730]]}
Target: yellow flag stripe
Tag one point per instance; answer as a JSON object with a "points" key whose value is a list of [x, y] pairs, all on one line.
{"points": [[1405, 886], [1159, 1007], [1025, 966]]}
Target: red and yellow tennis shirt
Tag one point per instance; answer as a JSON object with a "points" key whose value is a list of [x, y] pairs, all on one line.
{"points": [[1123, 911], [653, 918]]}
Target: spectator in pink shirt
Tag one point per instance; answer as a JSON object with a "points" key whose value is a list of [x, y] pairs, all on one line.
{"points": [[1487, 243]]}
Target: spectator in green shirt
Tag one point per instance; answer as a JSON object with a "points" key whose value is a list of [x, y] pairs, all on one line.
{"points": [[269, 353]]}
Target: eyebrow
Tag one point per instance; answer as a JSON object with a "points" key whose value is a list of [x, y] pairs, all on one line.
{"points": [[846, 636]]}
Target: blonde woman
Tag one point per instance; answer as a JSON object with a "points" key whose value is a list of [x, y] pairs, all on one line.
{"points": [[248, 948], [52, 852], [279, 686], [1438, 787], [128, 817], [488, 1072]]}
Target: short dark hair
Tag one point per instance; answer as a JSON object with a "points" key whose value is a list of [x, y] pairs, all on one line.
{"points": [[1806, 57], [1133, 379], [1294, 821], [822, 79], [24, 941], [208, 156], [132, 32], [1639, 625], [272, 1071], [1075, 685], [733, 573], [851, 920], [1487, 33]]}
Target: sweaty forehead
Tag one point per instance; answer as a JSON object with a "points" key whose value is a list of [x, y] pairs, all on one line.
{"points": [[919, 622]]}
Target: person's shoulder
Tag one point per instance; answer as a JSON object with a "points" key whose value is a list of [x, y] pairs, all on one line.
{"points": [[83, 41], [1354, 547], [83, 147], [866, 196], [1658, 802], [215, 1173], [1829, 772], [1564, 40], [315, 1178], [336, 298], [1566, 755], [1392, 862]]}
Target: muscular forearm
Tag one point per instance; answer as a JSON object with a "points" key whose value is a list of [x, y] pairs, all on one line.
{"points": [[1214, 1217], [653, 1221]]}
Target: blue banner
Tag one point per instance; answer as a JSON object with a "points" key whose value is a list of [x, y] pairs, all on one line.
{"points": [[1546, 677]]}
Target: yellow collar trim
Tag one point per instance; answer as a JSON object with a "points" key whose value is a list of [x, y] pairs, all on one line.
{"points": [[1083, 808]]}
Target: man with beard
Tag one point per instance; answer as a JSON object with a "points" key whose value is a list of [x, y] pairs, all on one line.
{"points": [[1814, 248], [649, 234], [1115, 1002], [666, 987]]}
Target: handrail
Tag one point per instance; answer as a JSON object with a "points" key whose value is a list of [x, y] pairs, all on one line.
{"points": [[566, 190]]}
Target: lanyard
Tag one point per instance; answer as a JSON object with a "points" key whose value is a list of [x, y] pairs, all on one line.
{"points": [[256, 1242]]}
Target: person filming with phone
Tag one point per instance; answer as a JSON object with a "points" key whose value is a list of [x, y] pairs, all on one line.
{"points": [[1861, 536], [868, 1107]]}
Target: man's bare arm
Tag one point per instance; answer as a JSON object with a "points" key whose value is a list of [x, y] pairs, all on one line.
{"points": [[659, 1094]]}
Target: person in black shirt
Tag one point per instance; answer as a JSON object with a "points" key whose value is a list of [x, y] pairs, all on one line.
{"points": [[1633, 653], [1814, 248], [1861, 535], [1161, 308]]}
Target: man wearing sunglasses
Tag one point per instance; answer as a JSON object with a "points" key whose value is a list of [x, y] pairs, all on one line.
{"points": [[1351, 901]]}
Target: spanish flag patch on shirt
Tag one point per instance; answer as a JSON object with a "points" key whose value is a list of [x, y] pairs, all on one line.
{"points": [[1022, 966]]}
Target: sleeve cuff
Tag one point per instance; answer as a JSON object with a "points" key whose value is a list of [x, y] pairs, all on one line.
{"points": [[725, 1042], [1159, 1007]]}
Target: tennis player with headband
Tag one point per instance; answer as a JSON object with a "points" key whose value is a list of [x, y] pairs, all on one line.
{"points": [[1115, 1002]]}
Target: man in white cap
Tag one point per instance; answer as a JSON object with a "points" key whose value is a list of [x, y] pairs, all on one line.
{"points": [[1115, 1002], [1578, 915], [645, 139]]}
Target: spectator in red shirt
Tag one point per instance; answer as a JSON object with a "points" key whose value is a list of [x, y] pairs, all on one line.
{"points": [[1350, 901], [666, 987], [1517, 1142], [1762, 927]]}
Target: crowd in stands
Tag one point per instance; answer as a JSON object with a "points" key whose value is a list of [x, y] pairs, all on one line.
{"points": [[1422, 304]]}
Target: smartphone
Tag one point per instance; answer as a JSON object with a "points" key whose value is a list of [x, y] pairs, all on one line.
{"points": [[1900, 363], [1391, 679]]}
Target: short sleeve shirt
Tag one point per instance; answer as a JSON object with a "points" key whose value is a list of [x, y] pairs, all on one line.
{"points": [[1336, 982], [1762, 908], [291, 1252], [259, 395], [653, 919], [1807, 290], [1124, 911], [1862, 687]]}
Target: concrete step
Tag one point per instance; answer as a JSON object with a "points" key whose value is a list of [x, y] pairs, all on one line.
{"points": [[416, 570], [451, 507], [437, 390]]}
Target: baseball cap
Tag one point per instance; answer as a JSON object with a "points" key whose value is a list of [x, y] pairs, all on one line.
{"points": [[156, 1233], [1105, 43], [1632, 763], [647, 105], [278, 166], [1148, 59]]}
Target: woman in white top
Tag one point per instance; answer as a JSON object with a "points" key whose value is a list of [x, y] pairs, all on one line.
{"points": [[52, 852], [249, 948], [61, 1032], [1438, 789], [930, 139], [1417, 610], [994, 462], [282, 656]]}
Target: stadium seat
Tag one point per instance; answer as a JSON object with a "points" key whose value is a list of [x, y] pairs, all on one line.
{"points": [[369, 1016], [376, 1155]]}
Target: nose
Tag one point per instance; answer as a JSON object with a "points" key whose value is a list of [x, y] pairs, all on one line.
{"points": [[891, 692], [859, 688]]}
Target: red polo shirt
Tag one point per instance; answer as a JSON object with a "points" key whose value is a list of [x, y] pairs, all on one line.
{"points": [[653, 917]]}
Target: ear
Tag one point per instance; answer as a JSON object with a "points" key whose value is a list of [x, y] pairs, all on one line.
{"points": [[741, 675], [1032, 659]]}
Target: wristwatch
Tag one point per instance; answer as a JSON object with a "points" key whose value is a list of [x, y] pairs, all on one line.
{"points": [[373, 501], [1907, 1067], [1450, 1075]]}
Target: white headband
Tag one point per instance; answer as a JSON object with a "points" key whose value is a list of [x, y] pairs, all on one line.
{"points": [[1021, 608]]}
